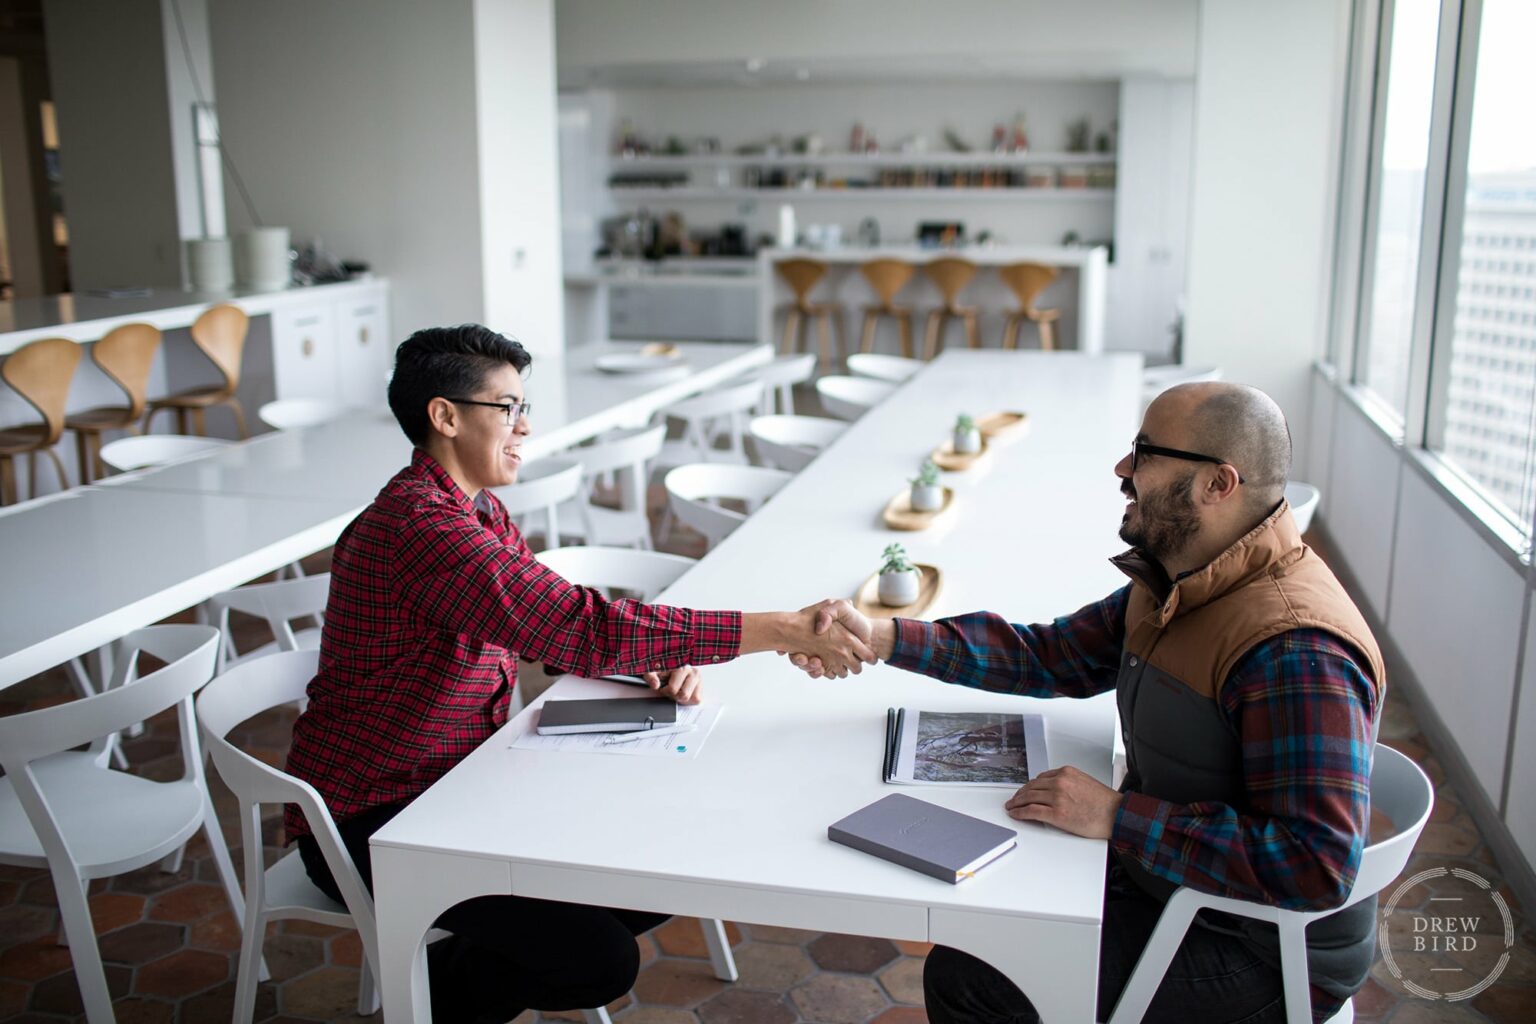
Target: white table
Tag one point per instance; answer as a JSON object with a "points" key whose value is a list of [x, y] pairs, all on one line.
{"points": [[740, 832], [85, 568]]}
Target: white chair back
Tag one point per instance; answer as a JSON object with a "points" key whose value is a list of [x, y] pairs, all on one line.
{"points": [[1157, 379], [876, 366], [691, 491], [848, 398], [542, 486], [282, 891], [1304, 499], [646, 573], [779, 378], [706, 417], [628, 454], [288, 413], [791, 442], [277, 604], [128, 453]]}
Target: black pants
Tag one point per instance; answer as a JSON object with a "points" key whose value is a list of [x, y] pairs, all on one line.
{"points": [[1213, 977], [507, 953]]}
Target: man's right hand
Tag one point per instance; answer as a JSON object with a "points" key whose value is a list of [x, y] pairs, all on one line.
{"points": [[835, 615]]}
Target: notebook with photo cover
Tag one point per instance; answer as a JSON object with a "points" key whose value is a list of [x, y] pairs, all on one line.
{"points": [[925, 837], [609, 714], [963, 748]]}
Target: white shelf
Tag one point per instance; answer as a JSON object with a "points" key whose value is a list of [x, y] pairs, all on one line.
{"points": [[1023, 195], [618, 164]]}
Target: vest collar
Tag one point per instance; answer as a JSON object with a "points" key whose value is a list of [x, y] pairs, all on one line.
{"points": [[1273, 544]]}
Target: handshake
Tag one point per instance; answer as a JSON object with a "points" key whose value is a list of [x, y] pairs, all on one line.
{"points": [[832, 638]]}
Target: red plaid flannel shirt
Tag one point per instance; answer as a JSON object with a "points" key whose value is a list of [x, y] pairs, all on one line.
{"points": [[433, 598]]}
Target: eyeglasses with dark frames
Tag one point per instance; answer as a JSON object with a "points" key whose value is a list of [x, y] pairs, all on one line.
{"points": [[513, 410], [1140, 448]]}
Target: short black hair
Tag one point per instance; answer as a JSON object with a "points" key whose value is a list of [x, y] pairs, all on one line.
{"points": [[444, 362]]}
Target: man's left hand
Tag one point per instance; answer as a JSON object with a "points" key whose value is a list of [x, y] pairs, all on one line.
{"points": [[682, 684], [1070, 799]]}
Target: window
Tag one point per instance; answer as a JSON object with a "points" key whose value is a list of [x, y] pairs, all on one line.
{"points": [[1492, 442], [1399, 202]]}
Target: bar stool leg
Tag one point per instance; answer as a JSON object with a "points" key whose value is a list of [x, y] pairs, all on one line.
{"points": [[83, 453], [7, 480], [32, 473], [972, 329], [234, 407], [199, 423], [867, 342], [1047, 336], [1011, 333], [904, 332], [791, 332], [824, 336], [840, 331], [931, 335]]}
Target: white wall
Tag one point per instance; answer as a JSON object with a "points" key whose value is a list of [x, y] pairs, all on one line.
{"points": [[188, 72], [1267, 114], [16, 196]]}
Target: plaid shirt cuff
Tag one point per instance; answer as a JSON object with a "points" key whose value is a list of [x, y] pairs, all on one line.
{"points": [[716, 637], [915, 643], [1139, 826]]}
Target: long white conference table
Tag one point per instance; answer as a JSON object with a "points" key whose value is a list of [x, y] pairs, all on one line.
{"points": [[739, 832], [90, 565]]}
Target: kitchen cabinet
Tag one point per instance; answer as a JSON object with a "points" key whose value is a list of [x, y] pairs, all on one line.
{"points": [[304, 358], [365, 351]]}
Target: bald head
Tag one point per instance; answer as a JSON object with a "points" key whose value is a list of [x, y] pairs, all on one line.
{"points": [[1242, 425]]}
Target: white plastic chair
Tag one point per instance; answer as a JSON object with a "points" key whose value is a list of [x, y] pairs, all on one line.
{"points": [[277, 604], [1304, 499], [707, 417], [288, 413], [691, 491], [67, 811], [848, 398], [542, 486], [791, 442], [628, 454], [283, 891], [876, 366], [1399, 789], [779, 378], [1157, 379], [643, 573], [129, 453]]}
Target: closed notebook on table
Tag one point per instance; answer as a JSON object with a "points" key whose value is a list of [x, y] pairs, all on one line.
{"points": [[925, 837], [610, 714]]}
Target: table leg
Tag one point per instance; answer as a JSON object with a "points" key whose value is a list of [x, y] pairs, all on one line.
{"points": [[410, 890], [1055, 963]]}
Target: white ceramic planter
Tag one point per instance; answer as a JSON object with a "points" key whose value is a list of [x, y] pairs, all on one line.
{"points": [[261, 259], [898, 588], [927, 498], [967, 441], [210, 265]]}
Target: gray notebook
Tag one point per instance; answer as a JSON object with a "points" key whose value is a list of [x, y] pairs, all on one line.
{"points": [[925, 837], [610, 714]]}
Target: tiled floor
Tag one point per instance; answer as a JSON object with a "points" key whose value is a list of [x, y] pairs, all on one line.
{"points": [[169, 939]]}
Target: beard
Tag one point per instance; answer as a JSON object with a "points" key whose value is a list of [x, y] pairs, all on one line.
{"points": [[1166, 520]]}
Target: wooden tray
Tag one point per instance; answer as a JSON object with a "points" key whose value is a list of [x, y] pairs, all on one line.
{"points": [[945, 456], [867, 600], [900, 515], [1003, 426], [662, 349]]}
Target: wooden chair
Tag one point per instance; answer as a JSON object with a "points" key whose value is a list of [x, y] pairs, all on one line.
{"points": [[950, 274], [802, 276], [41, 373], [887, 277], [125, 354], [1027, 281], [220, 334]]}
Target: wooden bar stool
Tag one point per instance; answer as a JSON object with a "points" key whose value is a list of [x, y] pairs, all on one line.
{"points": [[950, 274], [41, 373], [125, 354], [802, 276], [220, 334], [1027, 281], [887, 277]]}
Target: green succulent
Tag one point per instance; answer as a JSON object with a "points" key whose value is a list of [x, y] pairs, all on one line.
{"points": [[895, 559], [928, 475], [964, 423]]}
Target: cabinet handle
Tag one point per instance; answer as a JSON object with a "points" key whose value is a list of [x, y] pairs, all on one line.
{"points": [[363, 311], [308, 348], [307, 321], [362, 335]]}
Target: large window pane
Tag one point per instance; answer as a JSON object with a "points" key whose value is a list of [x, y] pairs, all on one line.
{"points": [[1490, 432], [1400, 200]]}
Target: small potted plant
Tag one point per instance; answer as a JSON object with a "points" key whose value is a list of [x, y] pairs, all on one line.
{"points": [[899, 579], [967, 439], [927, 495]]}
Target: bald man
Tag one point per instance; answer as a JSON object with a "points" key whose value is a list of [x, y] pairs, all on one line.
{"points": [[1248, 685]]}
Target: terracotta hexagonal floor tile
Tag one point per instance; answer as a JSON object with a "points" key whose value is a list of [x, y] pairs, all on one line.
{"points": [[909, 948], [137, 1010], [786, 936], [659, 1015], [289, 956], [903, 980], [30, 961], [216, 1005], [1372, 1000], [854, 953], [1419, 1011], [839, 999], [683, 983], [310, 928], [902, 1015], [13, 997], [647, 947], [140, 943], [9, 890], [765, 965], [218, 933], [148, 881], [183, 974], [1447, 840], [187, 903], [1507, 1004], [113, 910], [619, 1005], [59, 994], [24, 922], [346, 950], [325, 994], [740, 1007], [684, 936]]}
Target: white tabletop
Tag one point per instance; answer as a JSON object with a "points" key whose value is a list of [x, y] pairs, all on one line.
{"points": [[985, 255], [741, 830], [90, 566]]}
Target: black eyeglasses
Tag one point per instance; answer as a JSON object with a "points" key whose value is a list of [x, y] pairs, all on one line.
{"points": [[512, 409], [1140, 448]]}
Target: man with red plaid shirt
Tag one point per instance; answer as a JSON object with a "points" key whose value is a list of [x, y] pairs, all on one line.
{"points": [[434, 597], [1248, 686]]}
